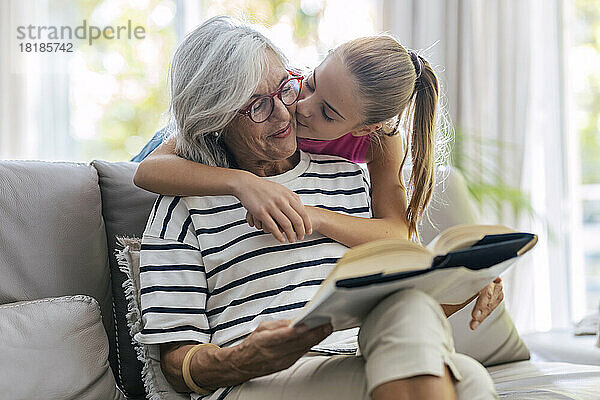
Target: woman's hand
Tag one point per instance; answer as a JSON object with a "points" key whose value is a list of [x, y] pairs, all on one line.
{"points": [[274, 208], [274, 346], [489, 298]]}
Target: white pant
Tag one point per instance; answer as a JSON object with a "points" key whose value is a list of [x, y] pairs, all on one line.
{"points": [[405, 335]]}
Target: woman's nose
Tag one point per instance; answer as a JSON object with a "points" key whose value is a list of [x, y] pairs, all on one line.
{"points": [[281, 111]]}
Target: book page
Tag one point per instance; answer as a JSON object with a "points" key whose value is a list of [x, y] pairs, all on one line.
{"points": [[463, 236], [382, 256]]}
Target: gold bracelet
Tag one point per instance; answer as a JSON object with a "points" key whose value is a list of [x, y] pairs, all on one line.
{"points": [[185, 368]]}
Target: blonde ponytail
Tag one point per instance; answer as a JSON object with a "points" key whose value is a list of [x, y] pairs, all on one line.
{"points": [[395, 84], [421, 142]]}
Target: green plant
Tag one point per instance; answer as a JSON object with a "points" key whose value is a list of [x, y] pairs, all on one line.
{"points": [[485, 182]]}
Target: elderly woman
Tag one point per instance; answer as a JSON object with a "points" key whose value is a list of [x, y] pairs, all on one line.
{"points": [[218, 295]]}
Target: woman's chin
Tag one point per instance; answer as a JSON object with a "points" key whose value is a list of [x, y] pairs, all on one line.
{"points": [[291, 148], [284, 147]]}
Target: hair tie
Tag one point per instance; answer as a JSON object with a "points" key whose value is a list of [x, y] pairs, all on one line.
{"points": [[417, 61]]}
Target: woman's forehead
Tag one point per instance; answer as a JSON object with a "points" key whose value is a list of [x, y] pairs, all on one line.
{"points": [[272, 78]]}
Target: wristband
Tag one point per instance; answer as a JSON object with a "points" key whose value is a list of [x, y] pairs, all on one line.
{"points": [[185, 369]]}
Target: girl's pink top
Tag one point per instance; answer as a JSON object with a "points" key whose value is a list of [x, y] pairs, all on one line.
{"points": [[353, 148]]}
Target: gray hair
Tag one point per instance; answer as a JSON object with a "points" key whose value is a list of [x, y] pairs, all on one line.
{"points": [[214, 72]]}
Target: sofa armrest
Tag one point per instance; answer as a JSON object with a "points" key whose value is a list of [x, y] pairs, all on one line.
{"points": [[55, 348]]}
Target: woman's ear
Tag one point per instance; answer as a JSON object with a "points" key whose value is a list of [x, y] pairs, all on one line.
{"points": [[366, 130]]}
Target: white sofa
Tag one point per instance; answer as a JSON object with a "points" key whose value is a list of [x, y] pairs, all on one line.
{"points": [[62, 305]]}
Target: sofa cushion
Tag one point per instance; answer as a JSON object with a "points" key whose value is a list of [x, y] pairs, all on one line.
{"points": [[526, 380], [52, 241], [126, 209], [155, 382], [55, 349]]}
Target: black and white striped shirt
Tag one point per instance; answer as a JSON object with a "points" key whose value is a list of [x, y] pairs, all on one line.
{"points": [[207, 276]]}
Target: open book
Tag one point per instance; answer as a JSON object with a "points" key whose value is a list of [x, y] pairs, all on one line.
{"points": [[454, 267]]}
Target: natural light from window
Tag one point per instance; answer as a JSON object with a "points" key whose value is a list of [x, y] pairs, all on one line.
{"points": [[119, 90], [583, 116]]}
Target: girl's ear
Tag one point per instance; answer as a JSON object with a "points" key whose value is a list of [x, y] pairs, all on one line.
{"points": [[366, 130]]}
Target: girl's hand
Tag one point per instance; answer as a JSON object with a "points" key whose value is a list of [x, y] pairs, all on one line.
{"points": [[313, 218], [273, 208], [489, 298]]}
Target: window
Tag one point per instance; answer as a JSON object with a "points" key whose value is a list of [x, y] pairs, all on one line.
{"points": [[118, 89], [304, 29], [106, 99], [583, 83], [96, 98]]}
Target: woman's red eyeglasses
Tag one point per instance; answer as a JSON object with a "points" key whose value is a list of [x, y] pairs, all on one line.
{"points": [[262, 107]]}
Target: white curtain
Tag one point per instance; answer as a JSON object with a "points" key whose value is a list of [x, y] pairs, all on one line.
{"points": [[34, 105], [500, 65]]}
